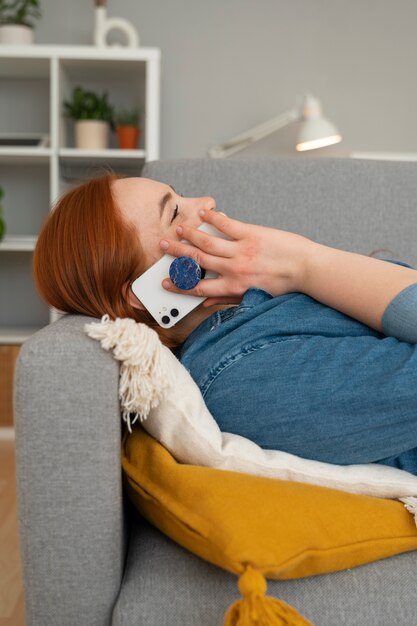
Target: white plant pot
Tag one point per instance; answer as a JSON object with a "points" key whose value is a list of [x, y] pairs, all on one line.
{"points": [[16, 34], [91, 134]]}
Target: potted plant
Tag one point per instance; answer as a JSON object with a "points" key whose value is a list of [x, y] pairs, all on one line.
{"points": [[93, 117], [127, 128], [16, 21], [2, 222]]}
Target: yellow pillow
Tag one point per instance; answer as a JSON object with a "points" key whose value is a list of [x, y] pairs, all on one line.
{"points": [[255, 526]]}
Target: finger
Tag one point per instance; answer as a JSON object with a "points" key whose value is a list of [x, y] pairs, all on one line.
{"points": [[208, 287], [231, 227], [179, 248], [207, 243]]}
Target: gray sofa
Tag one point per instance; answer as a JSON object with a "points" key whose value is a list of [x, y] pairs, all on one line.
{"points": [[88, 557]]}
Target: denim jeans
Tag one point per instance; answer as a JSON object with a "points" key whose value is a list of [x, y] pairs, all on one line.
{"points": [[292, 374]]}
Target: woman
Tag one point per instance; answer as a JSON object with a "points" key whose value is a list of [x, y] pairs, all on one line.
{"points": [[291, 349]]}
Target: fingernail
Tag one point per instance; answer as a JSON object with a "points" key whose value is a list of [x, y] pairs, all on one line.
{"points": [[164, 245], [179, 230], [202, 213], [165, 283]]}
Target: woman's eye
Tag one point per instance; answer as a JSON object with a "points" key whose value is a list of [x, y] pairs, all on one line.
{"points": [[174, 215]]}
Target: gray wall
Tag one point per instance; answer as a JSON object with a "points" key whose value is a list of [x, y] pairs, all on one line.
{"points": [[228, 65]]}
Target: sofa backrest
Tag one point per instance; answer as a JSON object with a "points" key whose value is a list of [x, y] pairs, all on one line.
{"points": [[353, 204]]}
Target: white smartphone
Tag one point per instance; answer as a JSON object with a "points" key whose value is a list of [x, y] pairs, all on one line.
{"points": [[165, 307]]}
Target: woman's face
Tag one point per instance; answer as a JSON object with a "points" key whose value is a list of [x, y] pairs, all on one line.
{"points": [[156, 209]]}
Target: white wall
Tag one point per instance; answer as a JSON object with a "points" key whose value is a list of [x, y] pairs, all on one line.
{"points": [[228, 65]]}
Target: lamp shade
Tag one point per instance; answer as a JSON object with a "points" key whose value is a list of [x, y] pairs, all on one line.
{"points": [[315, 131]]}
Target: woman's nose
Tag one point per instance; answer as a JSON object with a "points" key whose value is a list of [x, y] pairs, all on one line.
{"points": [[209, 203]]}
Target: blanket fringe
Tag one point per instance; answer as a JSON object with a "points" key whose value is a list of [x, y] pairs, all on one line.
{"points": [[145, 376], [256, 609]]}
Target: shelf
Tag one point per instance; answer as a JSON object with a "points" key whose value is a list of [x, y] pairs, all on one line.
{"points": [[45, 52], [77, 154], [77, 164], [35, 80], [34, 60], [18, 244], [15, 335], [24, 155]]}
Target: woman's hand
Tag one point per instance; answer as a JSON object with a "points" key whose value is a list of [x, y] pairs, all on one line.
{"points": [[283, 262], [255, 256]]}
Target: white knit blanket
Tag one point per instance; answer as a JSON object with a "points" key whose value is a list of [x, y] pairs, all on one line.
{"points": [[158, 390]]}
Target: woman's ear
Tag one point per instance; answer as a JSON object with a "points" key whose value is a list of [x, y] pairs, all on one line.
{"points": [[131, 298]]}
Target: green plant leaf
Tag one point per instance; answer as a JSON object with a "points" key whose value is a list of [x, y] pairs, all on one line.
{"points": [[87, 105], [128, 117], [21, 12]]}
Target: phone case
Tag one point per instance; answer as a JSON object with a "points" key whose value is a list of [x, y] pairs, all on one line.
{"points": [[165, 307]]}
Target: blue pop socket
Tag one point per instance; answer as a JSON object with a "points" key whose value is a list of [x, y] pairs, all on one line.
{"points": [[185, 273]]}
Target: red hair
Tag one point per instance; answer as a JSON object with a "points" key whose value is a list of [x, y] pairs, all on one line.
{"points": [[85, 254]]}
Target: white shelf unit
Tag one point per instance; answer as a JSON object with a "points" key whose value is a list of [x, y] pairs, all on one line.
{"points": [[24, 243], [34, 82]]}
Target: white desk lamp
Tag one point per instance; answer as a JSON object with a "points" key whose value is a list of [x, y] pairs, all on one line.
{"points": [[315, 131]]}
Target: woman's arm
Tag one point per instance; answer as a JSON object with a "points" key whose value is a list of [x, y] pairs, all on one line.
{"points": [[282, 262], [359, 286]]}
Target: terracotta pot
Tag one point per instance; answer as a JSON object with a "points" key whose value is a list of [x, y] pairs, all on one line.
{"points": [[91, 134], [16, 34], [128, 137]]}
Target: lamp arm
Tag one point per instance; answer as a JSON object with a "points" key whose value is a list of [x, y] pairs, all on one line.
{"points": [[255, 134]]}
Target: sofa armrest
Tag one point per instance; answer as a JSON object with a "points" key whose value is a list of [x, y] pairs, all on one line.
{"points": [[71, 512]]}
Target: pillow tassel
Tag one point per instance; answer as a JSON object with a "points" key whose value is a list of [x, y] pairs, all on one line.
{"points": [[256, 609]]}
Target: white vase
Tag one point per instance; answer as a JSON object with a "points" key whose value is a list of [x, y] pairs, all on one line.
{"points": [[16, 34], [91, 134], [104, 25]]}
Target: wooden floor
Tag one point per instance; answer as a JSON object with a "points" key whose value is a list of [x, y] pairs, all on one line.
{"points": [[12, 611]]}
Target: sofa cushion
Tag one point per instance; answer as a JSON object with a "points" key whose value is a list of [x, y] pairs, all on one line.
{"points": [[167, 585], [282, 529]]}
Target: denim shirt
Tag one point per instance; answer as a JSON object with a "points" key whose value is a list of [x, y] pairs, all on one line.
{"points": [[292, 374]]}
